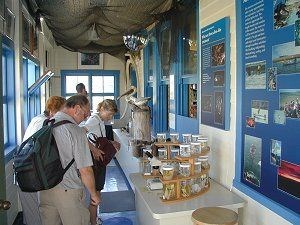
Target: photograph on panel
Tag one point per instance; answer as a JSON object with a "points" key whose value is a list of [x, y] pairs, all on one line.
{"points": [[289, 178], [250, 122], [219, 78], [286, 58], [252, 159], [255, 75], [206, 103], [218, 54], [260, 111], [272, 79], [279, 117], [286, 13], [219, 108], [289, 100], [275, 152]]}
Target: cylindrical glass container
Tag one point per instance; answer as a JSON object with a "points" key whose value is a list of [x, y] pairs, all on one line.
{"points": [[185, 150], [169, 191], [167, 172], [185, 189], [186, 138], [195, 148], [195, 137], [161, 137], [162, 153], [203, 142], [185, 169], [174, 152], [174, 137], [204, 162], [197, 167]]}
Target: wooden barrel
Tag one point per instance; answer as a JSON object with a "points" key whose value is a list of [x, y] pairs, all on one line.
{"points": [[141, 124], [214, 216]]}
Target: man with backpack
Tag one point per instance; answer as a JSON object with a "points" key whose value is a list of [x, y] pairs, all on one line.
{"points": [[65, 203]]}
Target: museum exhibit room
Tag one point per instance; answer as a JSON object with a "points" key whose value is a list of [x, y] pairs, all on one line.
{"points": [[150, 112]]}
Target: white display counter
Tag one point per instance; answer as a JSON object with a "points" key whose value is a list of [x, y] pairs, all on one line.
{"points": [[127, 161], [151, 210]]}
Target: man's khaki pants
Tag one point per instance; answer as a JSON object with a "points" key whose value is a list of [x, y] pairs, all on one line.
{"points": [[60, 206]]}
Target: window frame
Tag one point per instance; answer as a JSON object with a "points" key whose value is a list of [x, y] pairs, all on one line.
{"points": [[32, 101], [90, 74], [10, 144]]}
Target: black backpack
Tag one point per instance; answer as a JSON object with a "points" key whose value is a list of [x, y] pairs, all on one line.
{"points": [[37, 163]]}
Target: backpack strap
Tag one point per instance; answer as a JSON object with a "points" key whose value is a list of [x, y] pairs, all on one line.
{"points": [[53, 124], [69, 165]]}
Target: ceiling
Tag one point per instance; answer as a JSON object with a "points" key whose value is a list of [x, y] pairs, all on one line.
{"points": [[72, 21]]}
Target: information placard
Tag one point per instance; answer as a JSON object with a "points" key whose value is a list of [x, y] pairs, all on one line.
{"points": [[270, 73], [215, 79]]}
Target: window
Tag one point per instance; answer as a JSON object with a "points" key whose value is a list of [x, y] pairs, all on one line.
{"points": [[100, 84], [189, 79], [8, 79], [31, 100]]}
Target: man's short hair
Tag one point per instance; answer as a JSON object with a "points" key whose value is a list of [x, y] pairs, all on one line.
{"points": [[80, 87], [74, 100]]}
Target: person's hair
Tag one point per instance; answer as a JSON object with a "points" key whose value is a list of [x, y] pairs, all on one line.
{"points": [[54, 104], [74, 100], [80, 87], [109, 105]]}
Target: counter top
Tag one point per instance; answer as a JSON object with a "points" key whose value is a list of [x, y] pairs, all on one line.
{"points": [[216, 196]]}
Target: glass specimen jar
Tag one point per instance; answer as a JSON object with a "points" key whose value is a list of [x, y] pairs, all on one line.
{"points": [[186, 138], [174, 152], [161, 137], [195, 137], [185, 169], [195, 147], [197, 167], [203, 141], [185, 150], [174, 137], [185, 188], [162, 153], [167, 172], [169, 191], [204, 162]]}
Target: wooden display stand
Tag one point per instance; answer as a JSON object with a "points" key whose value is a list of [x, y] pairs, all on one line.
{"points": [[181, 193]]}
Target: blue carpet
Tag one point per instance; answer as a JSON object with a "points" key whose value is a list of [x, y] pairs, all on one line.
{"points": [[118, 221]]}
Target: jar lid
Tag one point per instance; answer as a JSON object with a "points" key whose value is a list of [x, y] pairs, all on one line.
{"points": [[185, 146], [195, 143], [174, 149], [186, 135], [197, 163], [161, 134], [161, 149], [184, 165], [203, 157], [174, 134], [202, 139], [167, 167], [197, 135]]}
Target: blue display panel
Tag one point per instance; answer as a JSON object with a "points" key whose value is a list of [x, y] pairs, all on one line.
{"points": [[215, 77], [269, 70]]}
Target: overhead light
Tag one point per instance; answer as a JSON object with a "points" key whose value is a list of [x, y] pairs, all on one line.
{"points": [[92, 33]]}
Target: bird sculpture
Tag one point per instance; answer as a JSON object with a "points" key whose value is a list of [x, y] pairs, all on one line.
{"points": [[137, 102]]}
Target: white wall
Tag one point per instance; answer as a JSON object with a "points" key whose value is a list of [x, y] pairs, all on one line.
{"points": [[222, 143], [67, 60]]}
